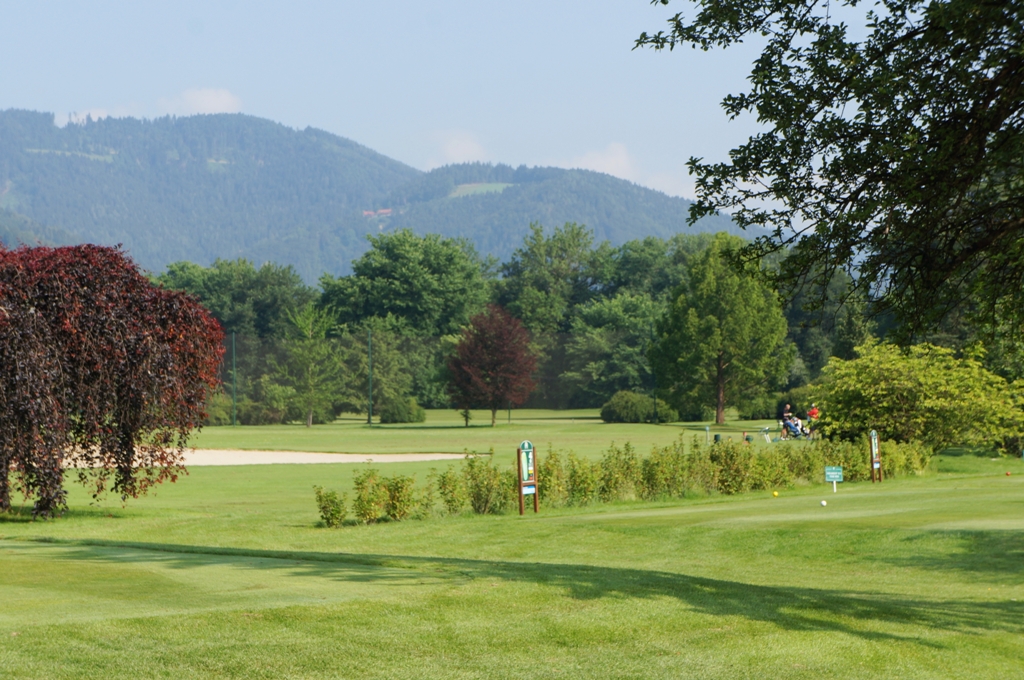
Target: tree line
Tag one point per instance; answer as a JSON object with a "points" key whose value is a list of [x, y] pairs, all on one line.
{"points": [[678, 317]]}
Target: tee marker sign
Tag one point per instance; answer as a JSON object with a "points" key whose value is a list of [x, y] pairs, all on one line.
{"points": [[526, 464]]}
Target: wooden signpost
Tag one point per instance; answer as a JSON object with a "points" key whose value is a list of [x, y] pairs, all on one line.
{"points": [[526, 461], [876, 459]]}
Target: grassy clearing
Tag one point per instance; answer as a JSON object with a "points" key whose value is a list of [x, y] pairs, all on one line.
{"points": [[444, 432], [225, 574], [478, 188]]}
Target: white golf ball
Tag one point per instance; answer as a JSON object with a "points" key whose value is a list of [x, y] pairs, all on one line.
{"points": [[824, 502]]}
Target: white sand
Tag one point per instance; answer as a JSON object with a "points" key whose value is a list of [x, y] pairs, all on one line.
{"points": [[238, 457]]}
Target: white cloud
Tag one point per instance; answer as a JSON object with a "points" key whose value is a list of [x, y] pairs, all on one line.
{"points": [[458, 146], [616, 160], [613, 160], [201, 100]]}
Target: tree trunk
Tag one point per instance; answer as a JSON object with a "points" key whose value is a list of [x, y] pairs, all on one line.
{"points": [[720, 385], [5, 489], [309, 418], [494, 416]]}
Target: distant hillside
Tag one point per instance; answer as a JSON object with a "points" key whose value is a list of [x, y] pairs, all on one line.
{"points": [[197, 188], [493, 206], [16, 230], [228, 186]]}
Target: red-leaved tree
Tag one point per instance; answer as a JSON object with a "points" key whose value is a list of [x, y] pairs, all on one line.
{"points": [[493, 365], [101, 371]]}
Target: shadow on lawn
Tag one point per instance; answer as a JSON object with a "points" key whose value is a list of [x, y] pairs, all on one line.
{"points": [[999, 555], [864, 615]]}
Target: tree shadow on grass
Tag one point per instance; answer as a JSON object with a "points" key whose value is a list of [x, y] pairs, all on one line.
{"points": [[996, 555], [864, 615]]}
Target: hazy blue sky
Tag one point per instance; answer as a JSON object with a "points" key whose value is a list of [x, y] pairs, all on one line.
{"points": [[427, 82]]}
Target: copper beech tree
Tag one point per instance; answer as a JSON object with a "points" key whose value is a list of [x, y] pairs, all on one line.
{"points": [[493, 365], [100, 371]]}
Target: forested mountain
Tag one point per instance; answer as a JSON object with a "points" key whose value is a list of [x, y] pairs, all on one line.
{"points": [[18, 230], [228, 186]]}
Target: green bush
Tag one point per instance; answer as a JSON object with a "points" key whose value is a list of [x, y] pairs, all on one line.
{"points": [[921, 393], [451, 486], [770, 469], [484, 485], [402, 410], [332, 506], [553, 484], [583, 480], [371, 496], [400, 499], [620, 474], [734, 462], [630, 407], [664, 473]]}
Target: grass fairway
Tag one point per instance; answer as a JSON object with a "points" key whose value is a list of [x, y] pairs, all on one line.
{"points": [[225, 574], [444, 432]]}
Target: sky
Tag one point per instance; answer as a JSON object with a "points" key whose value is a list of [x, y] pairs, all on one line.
{"points": [[427, 82]]}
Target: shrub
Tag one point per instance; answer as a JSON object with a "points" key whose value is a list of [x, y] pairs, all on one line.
{"points": [[734, 462], [630, 407], [332, 506], [371, 496], [664, 473], [770, 469], [402, 410], [483, 485], [427, 500], [553, 483], [620, 474], [583, 480], [400, 500], [451, 486], [924, 393]]}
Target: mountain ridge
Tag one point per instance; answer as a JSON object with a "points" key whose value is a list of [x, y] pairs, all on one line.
{"points": [[230, 185]]}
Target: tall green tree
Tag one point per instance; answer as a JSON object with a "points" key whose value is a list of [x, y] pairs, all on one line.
{"points": [[723, 338], [434, 284], [550, 275], [893, 147], [314, 365], [246, 300], [607, 348]]}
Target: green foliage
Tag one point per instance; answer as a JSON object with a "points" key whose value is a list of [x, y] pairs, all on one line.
{"points": [[484, 485], [722, 340], [890, 139], [630, 407], [331, 505], [606, 349], [371, 497], [734, 462], [584, 480], [553, 484], [400, 496], [433, 284], [923, 393], [620, 472], [400, 410], [314, 366], [451, 486]]}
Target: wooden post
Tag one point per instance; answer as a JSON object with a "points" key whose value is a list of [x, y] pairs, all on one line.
{"points": [[519, 479], [536, 483]]}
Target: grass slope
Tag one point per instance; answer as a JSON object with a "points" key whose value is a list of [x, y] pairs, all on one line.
{"points": [[225, 574]]}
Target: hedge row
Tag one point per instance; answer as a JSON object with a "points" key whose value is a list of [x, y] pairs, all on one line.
{"points": [[565, 479]]}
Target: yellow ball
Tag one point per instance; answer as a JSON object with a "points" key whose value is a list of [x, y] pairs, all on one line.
{"points": [[775, 493]]}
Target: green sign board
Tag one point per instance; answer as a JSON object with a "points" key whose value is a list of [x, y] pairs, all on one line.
{"points": [[833, 473], [526, 445]]}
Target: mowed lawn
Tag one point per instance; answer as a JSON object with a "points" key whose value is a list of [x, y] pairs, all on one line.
{"points": [[444, 432], [226, 574]]}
